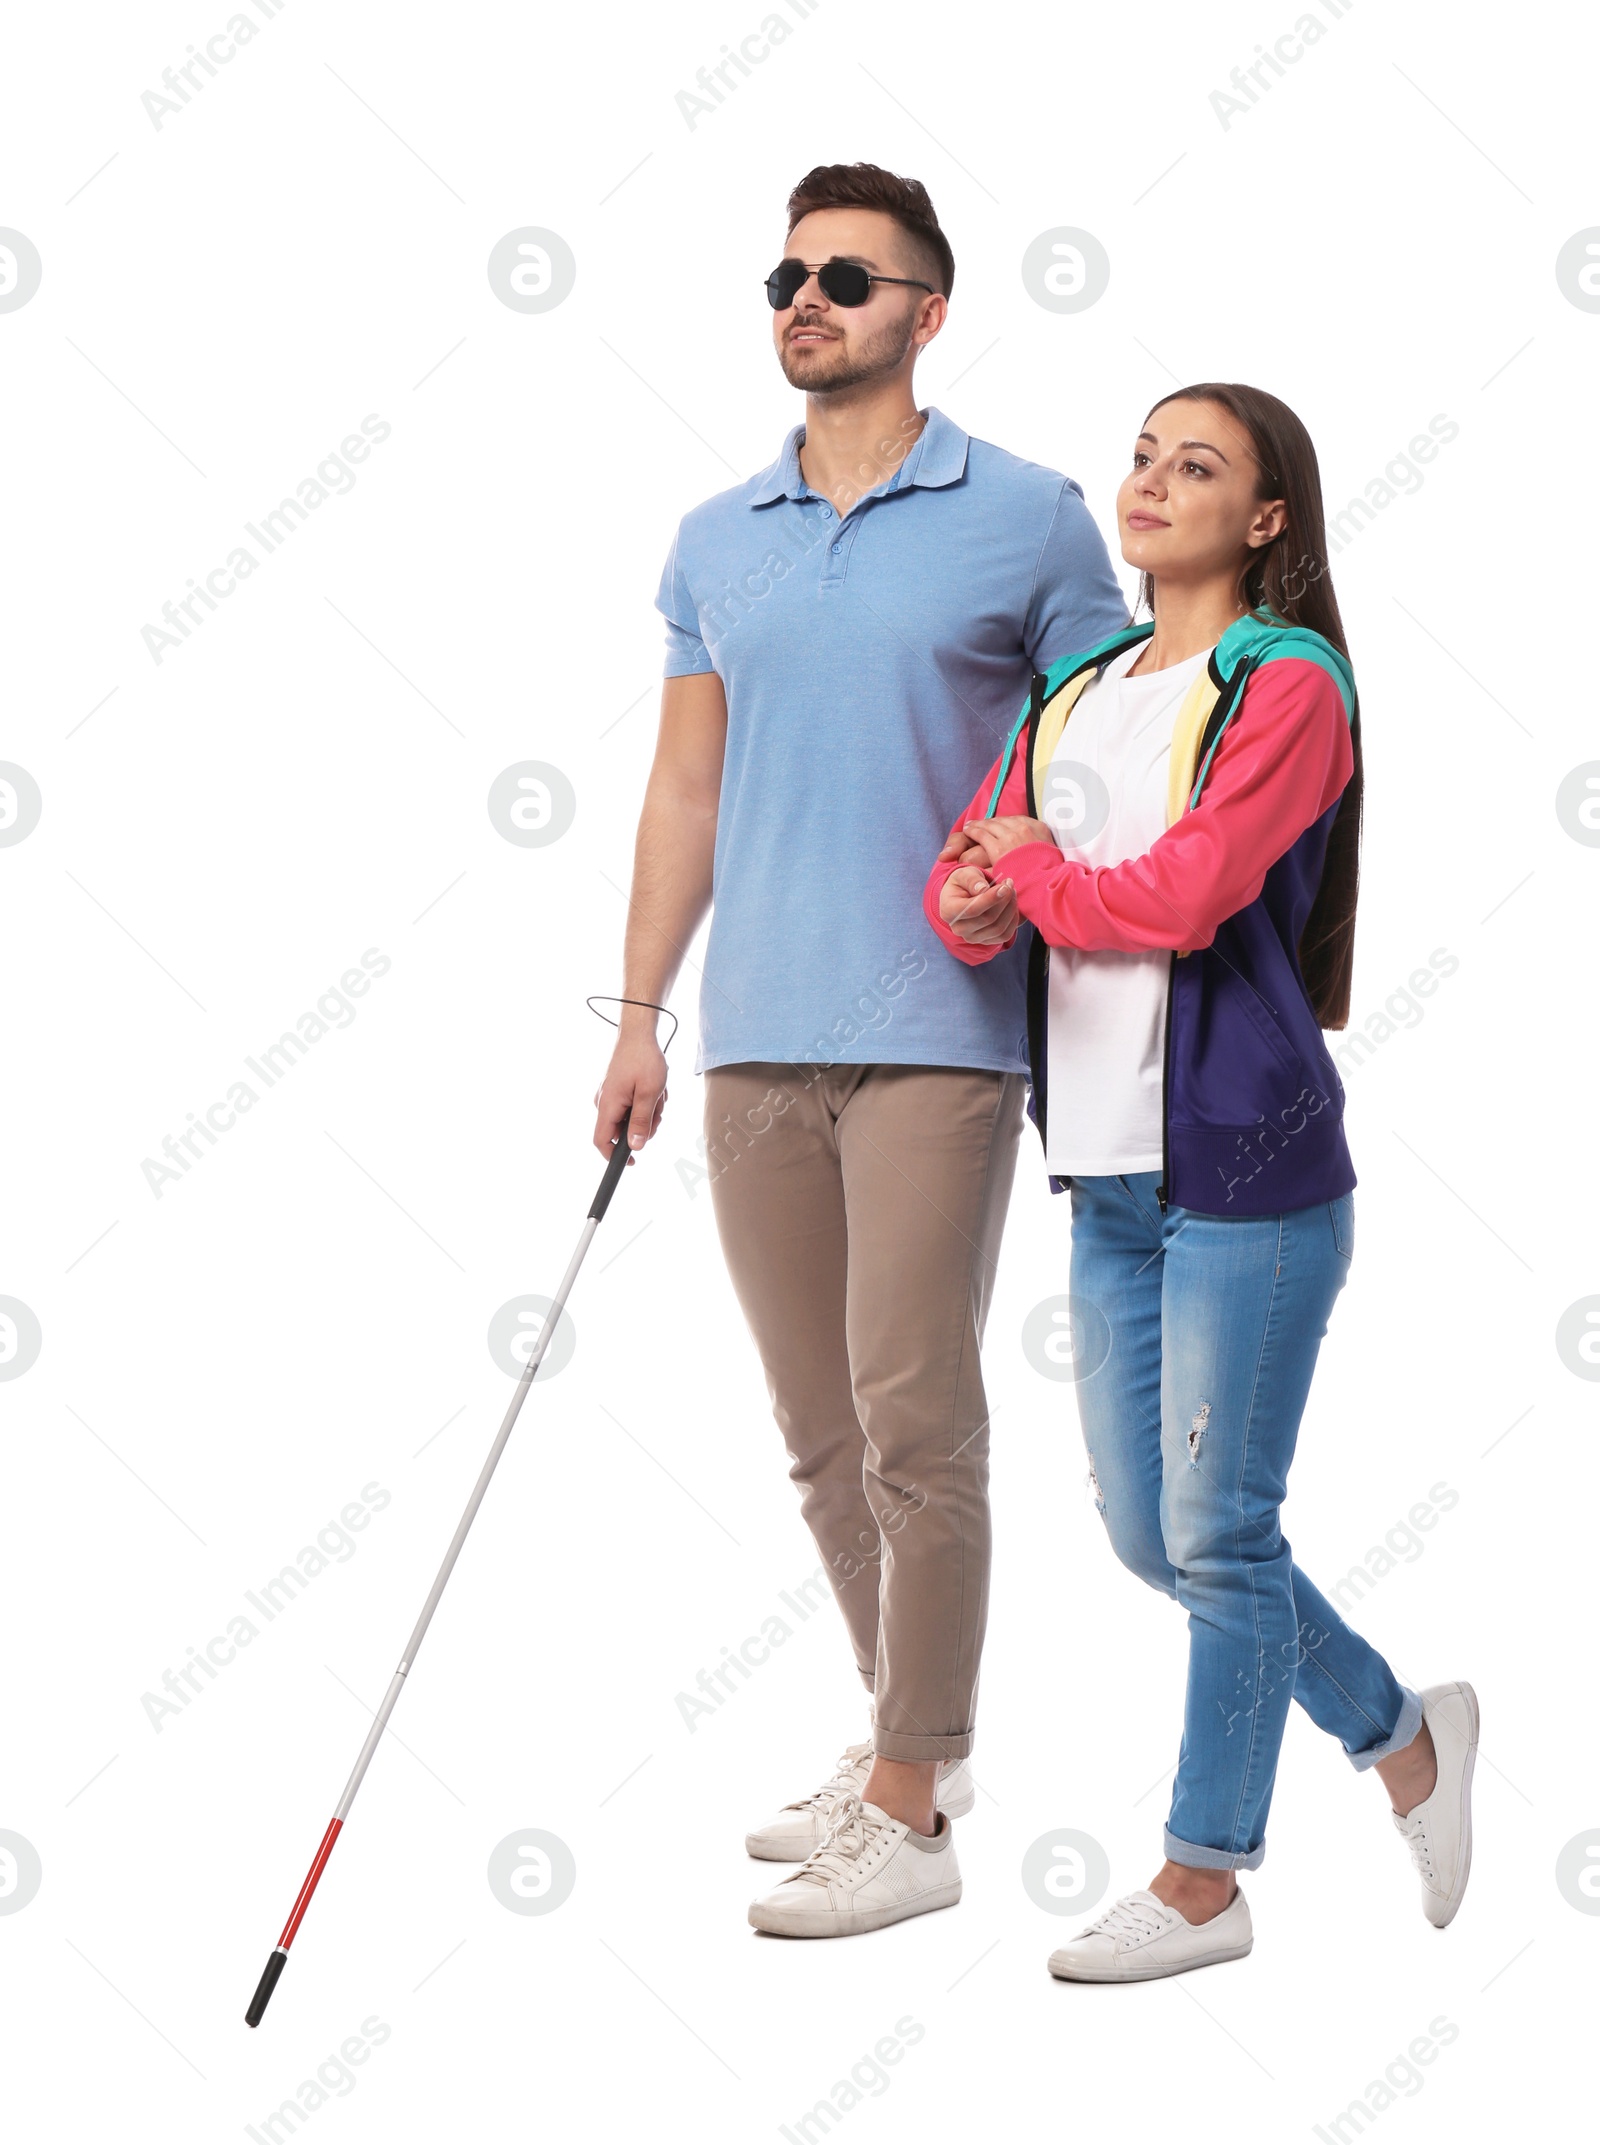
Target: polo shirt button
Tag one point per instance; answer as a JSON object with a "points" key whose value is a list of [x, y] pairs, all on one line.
{"points": [[827, 513], [838, 547]]}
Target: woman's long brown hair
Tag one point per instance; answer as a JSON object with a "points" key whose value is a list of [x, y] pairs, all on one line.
{"points": [[1290, 575]]}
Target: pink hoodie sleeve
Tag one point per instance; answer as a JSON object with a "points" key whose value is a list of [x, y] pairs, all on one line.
{"points": [[1013, 799], [1282, 761]]}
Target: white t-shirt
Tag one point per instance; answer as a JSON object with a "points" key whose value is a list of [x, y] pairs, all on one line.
{"points": [[1105, 800]]}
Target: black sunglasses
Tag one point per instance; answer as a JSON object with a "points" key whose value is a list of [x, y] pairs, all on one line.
{"points": [[841, 283]]}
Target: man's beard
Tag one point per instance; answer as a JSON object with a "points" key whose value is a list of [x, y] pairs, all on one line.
{"points": [[880, 355]]}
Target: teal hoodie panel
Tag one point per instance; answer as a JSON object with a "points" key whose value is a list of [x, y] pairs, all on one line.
{"points": [[1250, 640]]}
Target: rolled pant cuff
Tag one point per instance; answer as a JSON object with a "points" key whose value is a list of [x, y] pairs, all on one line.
{"points": [[1405, 1731], [920, 1749], [1193, 1857]]}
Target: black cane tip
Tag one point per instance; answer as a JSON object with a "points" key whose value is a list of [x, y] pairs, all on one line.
{"points": [[265, 1986]]}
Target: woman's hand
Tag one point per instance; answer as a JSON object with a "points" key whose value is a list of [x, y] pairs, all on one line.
{"points": [[994, 837], [981, 913]]}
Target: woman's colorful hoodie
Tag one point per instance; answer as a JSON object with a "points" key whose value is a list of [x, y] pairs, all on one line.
{"points": [[1253, 1106]]}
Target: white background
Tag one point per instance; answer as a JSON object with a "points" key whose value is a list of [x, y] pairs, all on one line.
{"points": [[224, 1367]]}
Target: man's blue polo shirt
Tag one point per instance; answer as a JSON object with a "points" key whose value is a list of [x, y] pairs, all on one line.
{"points": [[872, 668]]}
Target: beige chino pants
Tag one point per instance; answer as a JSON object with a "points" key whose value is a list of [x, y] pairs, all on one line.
{"points": [[860, 1210]]}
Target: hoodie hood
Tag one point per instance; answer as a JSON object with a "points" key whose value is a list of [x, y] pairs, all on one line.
{"points": [[1254, 640]]}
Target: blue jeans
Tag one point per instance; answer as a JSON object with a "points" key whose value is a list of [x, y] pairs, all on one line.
{"points": [[1213, 1325]]}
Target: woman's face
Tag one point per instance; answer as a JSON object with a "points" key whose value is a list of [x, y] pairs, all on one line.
{"points": [[1187, 509]]}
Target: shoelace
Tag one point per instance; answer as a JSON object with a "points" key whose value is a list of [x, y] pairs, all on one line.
{"points": [[1416, 1837], [1127, 1921], [843, 1781], [852, 1831]]}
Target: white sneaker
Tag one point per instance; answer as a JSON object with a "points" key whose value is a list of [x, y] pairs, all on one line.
{"points": [[1439, 1831], [870, 1870], [954, 1792], [802, 1826], [1139, 1939]]}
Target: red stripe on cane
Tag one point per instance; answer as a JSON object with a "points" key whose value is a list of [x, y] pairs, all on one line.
{"points": [[310, 1885]]}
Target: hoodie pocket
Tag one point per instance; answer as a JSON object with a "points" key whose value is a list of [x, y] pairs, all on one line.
{"points": [[1265, 1022]]}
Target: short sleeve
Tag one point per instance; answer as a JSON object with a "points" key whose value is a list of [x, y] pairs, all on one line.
{"points": [[687, 654], [1076, 601]]}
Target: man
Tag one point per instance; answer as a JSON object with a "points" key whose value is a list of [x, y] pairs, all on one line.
{"points": [[849, 636]]}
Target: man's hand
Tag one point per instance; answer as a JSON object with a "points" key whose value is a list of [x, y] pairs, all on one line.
{"points": [[976, 911], [994, 837], [960, 849], [633, 1092]]}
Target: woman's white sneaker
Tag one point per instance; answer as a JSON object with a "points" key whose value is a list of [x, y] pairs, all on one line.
{"points": [[801, 1826], [1439, 1831], [870, 1870], [1140, 1939]]}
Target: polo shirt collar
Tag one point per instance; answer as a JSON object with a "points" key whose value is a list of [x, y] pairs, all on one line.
{"points": [[938, 457]]}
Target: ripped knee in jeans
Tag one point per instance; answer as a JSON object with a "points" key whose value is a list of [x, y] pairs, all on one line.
{"points": [[1197, 1430], [1094, 1485]]}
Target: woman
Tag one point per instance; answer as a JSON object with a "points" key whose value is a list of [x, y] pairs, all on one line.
{"points": [[1177, 815]]}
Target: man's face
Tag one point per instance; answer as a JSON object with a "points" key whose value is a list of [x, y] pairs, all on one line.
{"points": [[825, 348]]}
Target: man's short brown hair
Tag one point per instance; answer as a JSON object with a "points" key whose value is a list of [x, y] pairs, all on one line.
{"points": [[869, 186]]}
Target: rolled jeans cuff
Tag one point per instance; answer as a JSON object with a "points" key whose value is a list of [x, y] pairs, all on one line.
{"points": [[1404, 1732], [920, 1749], [1193, 1857]]}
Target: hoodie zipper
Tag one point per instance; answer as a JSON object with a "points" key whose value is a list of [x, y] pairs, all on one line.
{"points": [[1166, 1085], [1029, 738], [1230, 692], [1037, 978], [1030, 735]]}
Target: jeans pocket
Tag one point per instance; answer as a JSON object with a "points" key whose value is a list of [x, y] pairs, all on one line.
{"points": [[1342, 1214]]}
